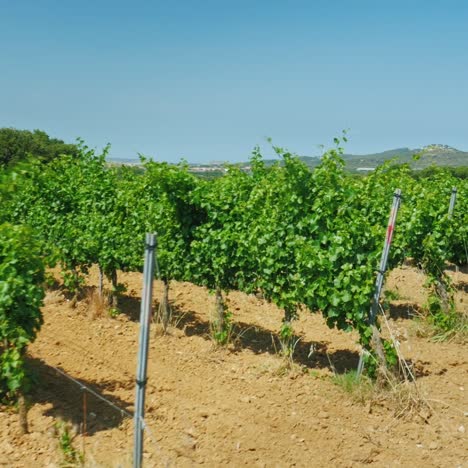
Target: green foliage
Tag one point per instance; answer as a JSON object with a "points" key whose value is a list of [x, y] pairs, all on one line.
{"points": [[167, 205], [305, 240], [360, 388], [458, 172], [288, 340], [21, 294], [114, 312], [82, 212], [424, 231], [390, 354], [391, 295], [18, 145], [371, 361], [221, 332]]}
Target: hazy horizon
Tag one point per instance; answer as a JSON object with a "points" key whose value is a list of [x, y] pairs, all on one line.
{"points": [[268, 153]]}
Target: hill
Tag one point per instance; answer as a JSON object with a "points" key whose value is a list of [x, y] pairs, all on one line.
{"points": [[418, 158]]}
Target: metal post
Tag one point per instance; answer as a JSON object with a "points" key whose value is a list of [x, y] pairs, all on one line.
{"points": [[383, 266], [84, 428], [145, 316], [453, 198]]}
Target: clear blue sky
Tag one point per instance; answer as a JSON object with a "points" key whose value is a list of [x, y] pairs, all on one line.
{"points": [[207, 80]]}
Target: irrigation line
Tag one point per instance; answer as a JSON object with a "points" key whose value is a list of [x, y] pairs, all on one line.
{"points": [[92, 392], [85, 388]]}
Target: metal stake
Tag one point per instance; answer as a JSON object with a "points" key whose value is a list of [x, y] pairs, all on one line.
{"points": [[145, 316], [383, 266], [453, 198]]}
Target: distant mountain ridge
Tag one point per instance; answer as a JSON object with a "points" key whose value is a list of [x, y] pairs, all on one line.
{"points": [[418, 158]]}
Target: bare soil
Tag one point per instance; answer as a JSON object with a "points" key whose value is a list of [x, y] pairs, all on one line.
{"points": [[238, 406]]}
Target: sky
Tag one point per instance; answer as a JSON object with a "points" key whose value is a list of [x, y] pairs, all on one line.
{"points": [[207, 80]]}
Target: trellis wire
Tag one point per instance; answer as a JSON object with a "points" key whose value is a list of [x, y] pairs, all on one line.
{"points": [[83, 387]]}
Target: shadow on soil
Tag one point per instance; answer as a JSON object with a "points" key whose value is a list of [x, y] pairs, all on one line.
{"points": [[461, 286], [458, 268], [130, 306], [406, 310], [312, 355], [261, 340], [66, 398]]}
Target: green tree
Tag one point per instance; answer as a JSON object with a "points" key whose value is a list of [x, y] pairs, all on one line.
{"points": [[16, 145]]}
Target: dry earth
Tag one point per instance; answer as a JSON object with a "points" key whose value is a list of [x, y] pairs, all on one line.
{"points": [[237, 406]]}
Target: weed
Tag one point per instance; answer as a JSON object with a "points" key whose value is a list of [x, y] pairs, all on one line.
{"points": [[221, 327], [421, 328], [360, 388], [287, 346], [399, 391], [450, 327], [404, 398], [114, 312], [175, 321], [222, 333], [288, 341], [71, 456], [391, 295], [445, 323], [441, 326]]}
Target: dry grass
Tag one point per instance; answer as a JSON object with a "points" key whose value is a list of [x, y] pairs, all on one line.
{"points": [[98, 305], [174, 326], [399, 392], [404, 398], [53, 296]]}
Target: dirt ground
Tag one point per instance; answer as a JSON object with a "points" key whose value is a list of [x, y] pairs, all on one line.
{"points": [[238, 406]]}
